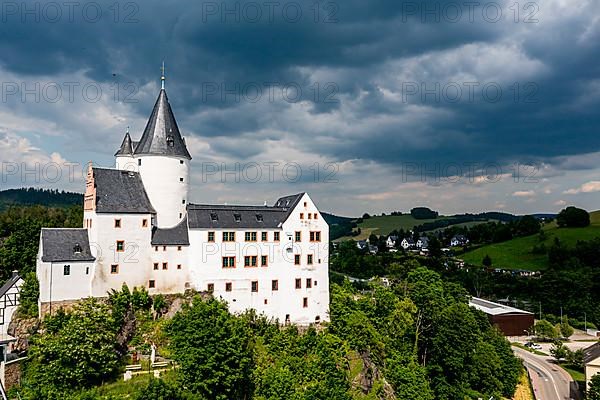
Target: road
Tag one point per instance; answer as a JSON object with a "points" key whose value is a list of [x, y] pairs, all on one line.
{"points": [[549, 381]]}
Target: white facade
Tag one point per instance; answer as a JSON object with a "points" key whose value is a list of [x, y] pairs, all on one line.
{"points": [[140, 236]]}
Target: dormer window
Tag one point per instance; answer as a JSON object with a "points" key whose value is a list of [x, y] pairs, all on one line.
{"points": [[259, 217], [214, 217], [237, 217], [77, 248], [170, 141]]}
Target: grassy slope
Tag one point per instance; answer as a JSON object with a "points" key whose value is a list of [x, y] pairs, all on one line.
{"points": [[383, 225], [516, 253]]}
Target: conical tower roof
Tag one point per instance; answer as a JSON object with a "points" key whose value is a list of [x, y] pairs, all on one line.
{"points": [[126, 148], [161, 135]]}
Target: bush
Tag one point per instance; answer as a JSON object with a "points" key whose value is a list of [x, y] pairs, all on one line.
{"points": [[573, 217]]}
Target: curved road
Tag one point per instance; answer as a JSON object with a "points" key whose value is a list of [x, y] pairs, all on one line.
{"points": [[549, 381]]}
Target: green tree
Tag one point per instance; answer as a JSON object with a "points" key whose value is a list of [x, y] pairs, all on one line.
{"points": [[573, 217], [158, 389], [213, 349], [487, 261], [545, 330], [29, 294], [559, 351], [565, 329], [77, 350], [593, 392]]}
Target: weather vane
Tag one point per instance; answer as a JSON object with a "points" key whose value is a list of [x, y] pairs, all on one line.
{"points": [[162, 75]]}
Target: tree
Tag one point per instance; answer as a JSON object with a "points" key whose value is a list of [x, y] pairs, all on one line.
{"points": [[545, 330], [565, 329], [527, 225], [487, 261], [76, 350], [559, 351], [423, 213], [573, 217], [213, 349], [575, 358], [158, 389], [29, 294], [593, 392]]}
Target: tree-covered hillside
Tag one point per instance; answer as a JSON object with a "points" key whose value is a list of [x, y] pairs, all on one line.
{"points": [[32, 196]]}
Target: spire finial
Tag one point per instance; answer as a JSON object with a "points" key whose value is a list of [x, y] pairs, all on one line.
{"points": [[127, 131], [162, 75]]}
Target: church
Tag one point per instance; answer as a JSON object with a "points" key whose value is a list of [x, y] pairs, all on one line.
{"points": [[139, 228]]}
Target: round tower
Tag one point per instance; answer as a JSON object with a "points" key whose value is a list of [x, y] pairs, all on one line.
{"points": [[163, 160]]}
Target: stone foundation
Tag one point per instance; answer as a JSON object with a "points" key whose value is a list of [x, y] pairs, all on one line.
{"points": [[53, 307]]}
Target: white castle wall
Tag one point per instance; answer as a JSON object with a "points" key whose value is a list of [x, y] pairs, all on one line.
{"points": [[168, 194]]}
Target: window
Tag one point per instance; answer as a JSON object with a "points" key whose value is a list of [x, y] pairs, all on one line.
{"points": [[139, 161], [301, 215], [180, 179], [315, 216], [165, 265], [151, 283], [296, 259], [276, 236], [183, 201], [120, 245], [87, 270], [309, 215], [263, 261], [178, 266], [259, 218], [229, 236], [264, 236], [164, 248], [155, 248], [298, 236], [144, 223], [266, 301], [255, 286], [228, 262], [308, 283], [214, 217], [305, 302], [178, 248], [228, 286], [211, 236], [67, 270], [117, 223], [298, 283], [304, 204], [210, 288], [180, 161], [309, 259], [237, 217], [114, 269], [180, 215], [250, 261], [156, 266], [250, 237], [315, 236], [274, 285]]}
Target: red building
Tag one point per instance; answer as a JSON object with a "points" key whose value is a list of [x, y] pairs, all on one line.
{"points": [[511, 321]]}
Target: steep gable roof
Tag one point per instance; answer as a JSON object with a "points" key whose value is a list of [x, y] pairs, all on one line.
{"points": [[120, 191], [65, 244], [161, 135], [126, 146]]}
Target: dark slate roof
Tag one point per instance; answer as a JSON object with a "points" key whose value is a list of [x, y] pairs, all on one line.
{"points": [[591, 353], [9, 283], [120, 192], [161, 135], [126, 147], [177, 235], [233, 216], [66, 244]]}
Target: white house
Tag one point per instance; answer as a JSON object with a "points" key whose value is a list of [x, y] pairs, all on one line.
{"points": [[140, 228], [9, 302], [407, 243], [591, 361], [390, 242], [422, 243], [458, 240]]}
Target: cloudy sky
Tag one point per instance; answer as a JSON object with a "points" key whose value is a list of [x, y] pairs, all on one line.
{"points": [[367, 105]]}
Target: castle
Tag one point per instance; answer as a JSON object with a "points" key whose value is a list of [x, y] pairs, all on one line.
{"points": [[140, 229]]}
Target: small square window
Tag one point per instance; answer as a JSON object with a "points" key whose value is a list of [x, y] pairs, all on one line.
{"points": [[254, 286], [228, 287], [274, 285], [315, 216], [266, 301], [309, 215], [211, 236], [308, 283], [144, 223], [165, 265], [120, 245], [305, 302], [180, 179], [178, 248], [67, 270], [298, 283], [178, 266], [296, 259], [276, 236], [155, 266], [114, 269], [210, 288], [264, 236], [301, 215], [117, 223], [305, 204], [298, 236], [180, 161], [151, 283], [183, 201]]}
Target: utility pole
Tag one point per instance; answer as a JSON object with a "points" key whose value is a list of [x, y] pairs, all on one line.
{"points": [[540, 310], [561, 319]]}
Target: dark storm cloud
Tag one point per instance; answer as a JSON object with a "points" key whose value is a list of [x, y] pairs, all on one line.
{"points": [[369, 50]]}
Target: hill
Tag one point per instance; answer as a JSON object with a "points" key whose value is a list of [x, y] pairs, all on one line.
{"points": [[32, 196], [517, 253]]}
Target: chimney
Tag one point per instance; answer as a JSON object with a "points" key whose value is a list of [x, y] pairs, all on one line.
{"points": [[15, 273]]}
